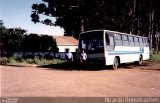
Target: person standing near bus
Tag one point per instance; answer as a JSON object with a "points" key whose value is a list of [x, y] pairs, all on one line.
{"points": [[83, 57], [69, 57]]}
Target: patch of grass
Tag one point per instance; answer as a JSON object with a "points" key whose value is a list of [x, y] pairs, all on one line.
{"points": [[155, 57], [43, 61]]}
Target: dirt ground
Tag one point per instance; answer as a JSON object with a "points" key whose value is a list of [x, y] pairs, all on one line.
{"points": [[129, 80]]}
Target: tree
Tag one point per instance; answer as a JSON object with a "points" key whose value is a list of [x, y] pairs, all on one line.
{"points": [[1, 24], [66, 15], [78, 15], [48, 43], [12, 39], [140, 17], [31, 43], [2, 33], [17, 39], [39, 43], [156, 26], [146, 18]]}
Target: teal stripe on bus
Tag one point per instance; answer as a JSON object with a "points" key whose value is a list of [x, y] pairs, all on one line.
{"points": [[141, 51], [125, 52]]}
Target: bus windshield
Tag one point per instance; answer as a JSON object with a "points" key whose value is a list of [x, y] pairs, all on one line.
{"points": [[91, 42]]}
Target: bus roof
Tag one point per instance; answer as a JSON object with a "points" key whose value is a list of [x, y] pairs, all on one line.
{"points": [[112, 32]]}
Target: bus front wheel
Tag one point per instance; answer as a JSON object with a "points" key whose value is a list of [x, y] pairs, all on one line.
{"points": [[116, 63]]}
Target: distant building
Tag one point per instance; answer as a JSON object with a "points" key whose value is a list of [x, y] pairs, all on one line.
{"points": [[66, 42]]}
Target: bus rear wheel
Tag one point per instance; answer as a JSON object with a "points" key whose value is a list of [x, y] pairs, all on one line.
{"points": [[116, 63], [140, 60]]}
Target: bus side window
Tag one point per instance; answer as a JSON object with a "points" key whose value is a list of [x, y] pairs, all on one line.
{"points": [[109, 42], [111, 39], [136, 41], [118, 39], [146, 42], [125, 40], [140, 41], [131, 42], [107, 39]]}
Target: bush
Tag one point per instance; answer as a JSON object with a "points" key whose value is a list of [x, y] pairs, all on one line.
{"points": [[12, 60], [4, 60], [155, 57], [36, 60], [20, 60], [29, 61]]}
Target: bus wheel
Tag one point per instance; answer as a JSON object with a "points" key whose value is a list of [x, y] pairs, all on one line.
{"points": [[115, 63], [140, 60]]}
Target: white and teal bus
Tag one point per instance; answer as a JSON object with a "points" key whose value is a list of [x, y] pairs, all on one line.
{"points": [[113, 48]]}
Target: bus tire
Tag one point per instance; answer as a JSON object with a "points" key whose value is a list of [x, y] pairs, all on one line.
{"points": [[116, 63], [140, 62]]}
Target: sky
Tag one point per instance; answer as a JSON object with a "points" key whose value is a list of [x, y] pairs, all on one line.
{"points": [[16, 13]]}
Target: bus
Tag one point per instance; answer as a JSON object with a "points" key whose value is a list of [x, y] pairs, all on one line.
{"points": [[113, 48]]}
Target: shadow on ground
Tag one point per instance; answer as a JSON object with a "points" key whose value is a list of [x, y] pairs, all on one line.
{"points": [[75, 66], [20, 65], [13, 65], [144, 66], [90, 67], [134, 65]]}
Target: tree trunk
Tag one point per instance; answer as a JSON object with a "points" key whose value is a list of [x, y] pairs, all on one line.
{"points": [[157, 41], [82, 26], [151, 17], [133, 31]]}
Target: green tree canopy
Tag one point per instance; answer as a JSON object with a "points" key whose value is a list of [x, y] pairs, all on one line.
{"points": [[140, 17], [78, 15], [12, 39], [17, 39], [37, 43]]}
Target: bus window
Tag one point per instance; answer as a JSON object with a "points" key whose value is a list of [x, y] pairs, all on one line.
{"points": [[118, 40], [140, 41], [111, 39], [91, 42], [136, 41], [144, 43], [118, 37], [146, 40], [125, 40], [109, 42], [124, 37], [83, 44], [107, 39], [131, 42]]}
